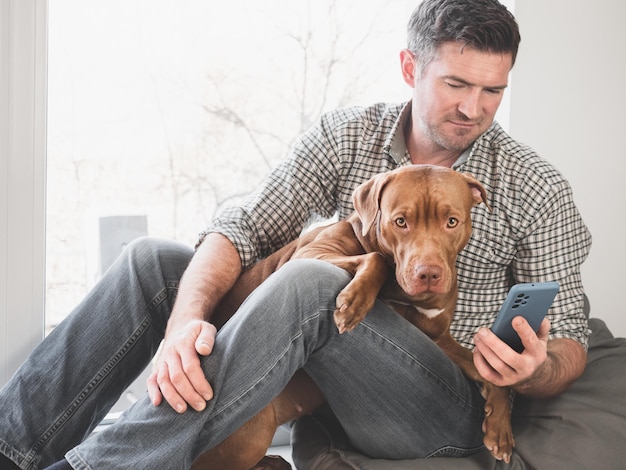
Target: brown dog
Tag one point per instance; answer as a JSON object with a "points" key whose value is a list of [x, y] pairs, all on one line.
{"points": [[402, 242]]}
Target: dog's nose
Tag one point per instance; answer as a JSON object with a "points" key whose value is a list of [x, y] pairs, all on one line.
{"points": [[423, 278], [428, 275]]}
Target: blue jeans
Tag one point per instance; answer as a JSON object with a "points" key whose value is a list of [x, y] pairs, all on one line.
{"points": [[395, 393]]}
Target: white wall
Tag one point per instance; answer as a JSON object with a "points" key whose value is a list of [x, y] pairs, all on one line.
{"points": [[568, 101]]}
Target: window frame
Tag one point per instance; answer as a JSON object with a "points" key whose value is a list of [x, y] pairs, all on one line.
{"points": [[23, 102]]}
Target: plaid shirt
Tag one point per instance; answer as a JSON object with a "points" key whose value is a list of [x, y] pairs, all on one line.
{"points": [[534, 233]]}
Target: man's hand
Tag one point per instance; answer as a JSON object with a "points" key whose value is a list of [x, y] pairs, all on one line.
{"points": [[177, 375], [543, 370], [501, 365]]}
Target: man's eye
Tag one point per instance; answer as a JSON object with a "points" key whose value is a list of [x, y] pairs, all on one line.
{"points": [[494, 91]]}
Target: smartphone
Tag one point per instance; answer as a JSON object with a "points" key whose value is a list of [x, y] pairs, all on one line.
{"points": [[531, 301]]}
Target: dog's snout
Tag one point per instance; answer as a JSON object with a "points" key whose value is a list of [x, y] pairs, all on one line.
{"points": [[429, 275], [424, 278]]}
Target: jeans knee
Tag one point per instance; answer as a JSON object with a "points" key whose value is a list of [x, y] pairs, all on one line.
{"points": [[301, 295], [150, 256], [312, 275], [145, 247]]}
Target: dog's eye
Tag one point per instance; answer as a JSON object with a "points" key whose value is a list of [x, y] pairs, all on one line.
{"points": [[453, 222], [401, 222]]}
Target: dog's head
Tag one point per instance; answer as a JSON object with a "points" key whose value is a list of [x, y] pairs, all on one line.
{"points": [[419, 216]]}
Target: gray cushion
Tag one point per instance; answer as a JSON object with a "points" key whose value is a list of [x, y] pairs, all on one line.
{"points": [[584, 428]]}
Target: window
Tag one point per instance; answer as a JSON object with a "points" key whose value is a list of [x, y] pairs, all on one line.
{"points": [[162, 112], [279, 42]]}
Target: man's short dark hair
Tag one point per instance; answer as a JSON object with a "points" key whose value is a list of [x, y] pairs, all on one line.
{"points": [[484, 25]]}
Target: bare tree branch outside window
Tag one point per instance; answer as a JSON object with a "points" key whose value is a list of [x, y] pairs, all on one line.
{"points": [[175, 109]]}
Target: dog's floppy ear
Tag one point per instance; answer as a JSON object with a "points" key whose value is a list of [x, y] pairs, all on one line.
{"points": [[478, 190], [366, 199]]}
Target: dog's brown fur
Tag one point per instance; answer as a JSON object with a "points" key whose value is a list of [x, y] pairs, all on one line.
{"points": [[401, 243]]}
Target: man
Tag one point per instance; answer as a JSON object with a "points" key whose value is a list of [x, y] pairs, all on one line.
{"points": [[457, 63]]}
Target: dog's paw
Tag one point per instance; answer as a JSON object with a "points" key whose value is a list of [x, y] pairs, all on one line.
{"points": [[498, 438], [351, 308], [345, 319], [497, 424]]}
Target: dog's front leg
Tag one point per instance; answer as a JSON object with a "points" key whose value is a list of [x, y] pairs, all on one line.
{"points": [[497, 424], [358, 297], [338, 245]]}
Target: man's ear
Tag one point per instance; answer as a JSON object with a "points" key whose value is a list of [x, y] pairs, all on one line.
{"points": [[366, 199], [408, 65]]}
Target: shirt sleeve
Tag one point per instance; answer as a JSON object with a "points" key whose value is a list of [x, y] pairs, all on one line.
{"points": [[298, 190], [554, 247], [533, 233]]}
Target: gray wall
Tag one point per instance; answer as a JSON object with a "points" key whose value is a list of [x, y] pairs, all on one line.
{"points": [[568, 101]]}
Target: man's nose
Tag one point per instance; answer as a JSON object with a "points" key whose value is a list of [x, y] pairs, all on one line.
{"points": [[470, 105]]}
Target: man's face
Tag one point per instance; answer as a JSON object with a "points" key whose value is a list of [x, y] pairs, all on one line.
{"points": [[456, 96]]}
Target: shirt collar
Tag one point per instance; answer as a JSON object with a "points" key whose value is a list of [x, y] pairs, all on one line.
{"points": [[463, 157], [395, 145]]}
